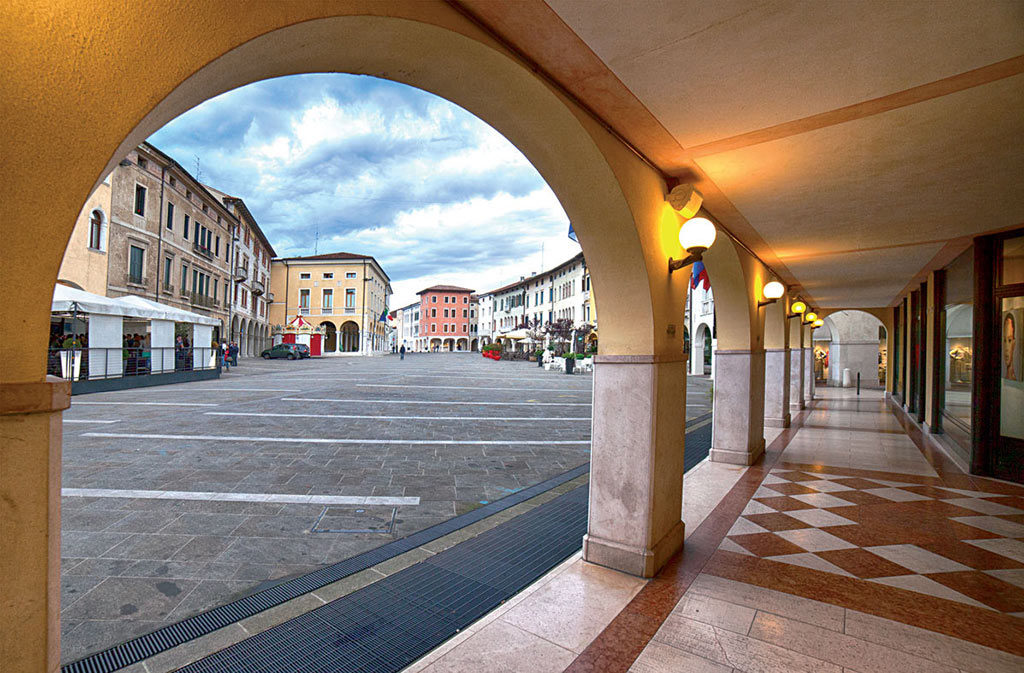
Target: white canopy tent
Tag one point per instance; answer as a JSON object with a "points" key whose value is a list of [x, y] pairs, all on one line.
{"points": [[106, 328]]}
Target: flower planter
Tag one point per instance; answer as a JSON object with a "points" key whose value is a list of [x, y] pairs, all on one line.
{"points": [[570, 365]]}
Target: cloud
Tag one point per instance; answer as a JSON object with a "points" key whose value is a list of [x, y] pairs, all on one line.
{"points": [[352, 163]]}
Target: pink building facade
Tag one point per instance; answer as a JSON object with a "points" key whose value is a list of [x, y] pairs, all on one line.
{"points": [[446, 318]]}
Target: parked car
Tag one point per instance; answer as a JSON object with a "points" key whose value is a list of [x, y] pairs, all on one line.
{"points": [[303, 350], [290, 351]]}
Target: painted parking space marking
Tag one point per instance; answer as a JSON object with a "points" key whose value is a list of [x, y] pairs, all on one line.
{"points": [[279, 498], [154, 404], [76, 420], [331, 440], [411, 418], [488, 404], [516, 390]]}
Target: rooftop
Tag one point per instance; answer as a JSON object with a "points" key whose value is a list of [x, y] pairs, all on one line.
{"points": [[445, 288]]}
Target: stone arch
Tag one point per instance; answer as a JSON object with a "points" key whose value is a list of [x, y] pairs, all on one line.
{"points": [[461, 344], [349, 337], [330, 332], [853, 339], [474, 345], [702, 349]]}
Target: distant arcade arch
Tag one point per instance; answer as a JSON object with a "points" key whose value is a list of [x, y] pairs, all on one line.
{"points": [[349, 337]]}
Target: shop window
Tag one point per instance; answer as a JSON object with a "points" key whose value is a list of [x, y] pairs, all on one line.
{"points": [[1011, 343], [959, 340]]}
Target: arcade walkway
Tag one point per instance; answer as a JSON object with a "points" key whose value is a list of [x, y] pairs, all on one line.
{"points": [[847, 549]]}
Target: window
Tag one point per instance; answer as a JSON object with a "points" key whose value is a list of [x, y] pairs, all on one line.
{"points": [[465, 328], [188, 194], [444, 328], [433, 313], [350, 298], [328, 301], [173, 182], [959, 346], [184, 276], [465, 300], [197, 228], [143, 163], [214, 293], [170, 216], [135, 256], [303, 301], [433, 327], [465, 313], [433, 299], [446, 313], [140, 200], [184, 232], [304, 276], [96, 230], [195, 281], [328, 276], [205, 208], [167, 271], [350, 274]]}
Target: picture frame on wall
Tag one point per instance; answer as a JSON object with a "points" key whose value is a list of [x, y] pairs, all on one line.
{"points": [[1011, 351]]}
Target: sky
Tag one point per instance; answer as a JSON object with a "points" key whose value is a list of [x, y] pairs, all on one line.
{"points": [[350, 163]]}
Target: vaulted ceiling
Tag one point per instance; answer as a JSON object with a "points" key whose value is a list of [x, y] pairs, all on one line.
{"points": [[852, 144]]}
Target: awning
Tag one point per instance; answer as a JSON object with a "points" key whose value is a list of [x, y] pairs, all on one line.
{"points": [[70, 300]]}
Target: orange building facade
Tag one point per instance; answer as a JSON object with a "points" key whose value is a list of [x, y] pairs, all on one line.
{"points": [[446, 317]]}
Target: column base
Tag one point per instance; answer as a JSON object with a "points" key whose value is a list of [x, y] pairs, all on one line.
{"points": [[797, 406], [734, 457], [778, 422], [637, 561]]}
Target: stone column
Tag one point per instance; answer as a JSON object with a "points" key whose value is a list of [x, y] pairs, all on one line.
{"points": [[738, 421], [796, 365], [808, 375], [30, 423], [636, 467], [777, 365]]}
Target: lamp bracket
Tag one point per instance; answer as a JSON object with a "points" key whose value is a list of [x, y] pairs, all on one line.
{"points": [[696, 254], [767, 302]]}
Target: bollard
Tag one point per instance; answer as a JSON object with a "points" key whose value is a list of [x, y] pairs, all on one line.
{"points": [[858, 383]]}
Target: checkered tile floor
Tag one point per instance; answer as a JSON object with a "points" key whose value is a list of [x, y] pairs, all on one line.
{"points": [[961, 545]]}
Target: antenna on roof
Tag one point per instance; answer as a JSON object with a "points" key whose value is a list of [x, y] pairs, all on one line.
{"points": [[316, 240], [199, 172]]}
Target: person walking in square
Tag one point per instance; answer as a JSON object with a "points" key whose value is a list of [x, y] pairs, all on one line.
{"points": [[226, 356], [233, 353], [401, 352]]}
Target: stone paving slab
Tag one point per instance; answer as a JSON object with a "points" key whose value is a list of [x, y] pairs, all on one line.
{"points": [[131, 564]]}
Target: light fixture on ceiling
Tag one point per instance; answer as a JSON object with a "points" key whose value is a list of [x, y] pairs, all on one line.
{"points": [[772, 292], [696, 236]]}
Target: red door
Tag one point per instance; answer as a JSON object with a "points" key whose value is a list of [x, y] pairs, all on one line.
{"points": [[287, 338], [314, 344]]}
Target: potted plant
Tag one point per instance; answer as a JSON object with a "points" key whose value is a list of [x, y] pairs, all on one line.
{"points": [[539, 355], [570, 363]]}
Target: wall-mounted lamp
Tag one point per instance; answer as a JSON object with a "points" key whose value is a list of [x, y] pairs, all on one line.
{"points": [[696, 236], [772, 292], [798, 307], [810, 317], [818, 323]]}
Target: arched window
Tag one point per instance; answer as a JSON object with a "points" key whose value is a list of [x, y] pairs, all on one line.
{"points": [[96, 230]]}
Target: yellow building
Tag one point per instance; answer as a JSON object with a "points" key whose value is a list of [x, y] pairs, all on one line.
{"points": [[85, 259], [343, 294]]}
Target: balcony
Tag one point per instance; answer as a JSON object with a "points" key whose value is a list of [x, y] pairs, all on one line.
{"points": [[269, 298], [327, 310], [201, 250], [350, 310], [202, 300], [132, 279], [241, 273], [304, 311], [257, 288]]}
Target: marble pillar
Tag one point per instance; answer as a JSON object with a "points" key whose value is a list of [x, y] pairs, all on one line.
{"points": [[776, 387], [796, 379], [738, 421], [636, 465], [30, 423], [808, 375]]}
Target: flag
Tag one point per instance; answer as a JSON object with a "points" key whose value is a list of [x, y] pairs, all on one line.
{"points": [[698, 275], [572, 233], [383, 316]]}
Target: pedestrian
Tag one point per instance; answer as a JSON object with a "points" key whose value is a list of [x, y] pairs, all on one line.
{"points": [[233, 351], [225, 356], [401, 352]]}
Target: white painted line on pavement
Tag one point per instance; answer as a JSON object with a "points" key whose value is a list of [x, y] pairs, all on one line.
{"points": [[246, 390], [413, 418], [490, 404], [154, 404], [518, 390], [74, 420], [284, 498], [326, 440]]}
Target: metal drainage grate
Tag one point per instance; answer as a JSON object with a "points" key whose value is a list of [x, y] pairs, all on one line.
{"points": [[171, 636], [384, 627]]}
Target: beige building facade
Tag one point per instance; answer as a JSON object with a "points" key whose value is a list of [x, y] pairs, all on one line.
{"points": [[85, 260], [343, 294]]}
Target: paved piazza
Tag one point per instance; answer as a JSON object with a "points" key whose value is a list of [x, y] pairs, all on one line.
{"points": [[179, 498]]}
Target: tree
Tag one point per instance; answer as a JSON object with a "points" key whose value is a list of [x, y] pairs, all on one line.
{"points": [[534, 330], [560, 332]]}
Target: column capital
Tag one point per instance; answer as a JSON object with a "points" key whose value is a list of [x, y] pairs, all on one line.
{"points": [[53, 394]]}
